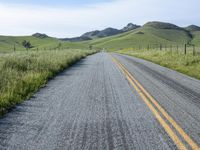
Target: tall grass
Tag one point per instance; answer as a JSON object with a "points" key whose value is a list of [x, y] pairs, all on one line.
{"points": [[187, 64], [22, 73]]}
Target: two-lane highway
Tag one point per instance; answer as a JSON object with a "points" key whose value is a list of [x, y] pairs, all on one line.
{"points": [[182, 139], [106, 102]]}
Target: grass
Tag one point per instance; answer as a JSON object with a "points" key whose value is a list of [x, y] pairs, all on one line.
{"points": [[7, 43], [143, 37], [187, 64], [23, 73], [196, 39]]}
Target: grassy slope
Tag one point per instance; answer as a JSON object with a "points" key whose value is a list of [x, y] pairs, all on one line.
{"points": [[22, 73], [151, 36], [7, 43], [196, 38]]}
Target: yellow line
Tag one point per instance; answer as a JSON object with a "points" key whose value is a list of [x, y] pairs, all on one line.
{"points": [[145, 96], [193, 145]]}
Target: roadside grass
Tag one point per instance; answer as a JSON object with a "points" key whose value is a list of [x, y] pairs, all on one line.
{"points": [[186, 64], [23, 73]]}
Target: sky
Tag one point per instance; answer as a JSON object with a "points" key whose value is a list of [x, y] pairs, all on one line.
{"points": [[70, 18]]}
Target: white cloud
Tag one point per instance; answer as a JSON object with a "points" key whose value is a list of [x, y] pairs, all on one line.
{"points": [[73, 21]]}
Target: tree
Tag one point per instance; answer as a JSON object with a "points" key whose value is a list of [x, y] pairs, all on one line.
{"points": [[26, 44], [59, 45]]}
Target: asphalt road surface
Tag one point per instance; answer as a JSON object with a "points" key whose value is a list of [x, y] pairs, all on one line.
{"points": [[96, 104]]}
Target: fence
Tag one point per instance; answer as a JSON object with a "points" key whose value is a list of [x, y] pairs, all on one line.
{"points": [[181, 49]]}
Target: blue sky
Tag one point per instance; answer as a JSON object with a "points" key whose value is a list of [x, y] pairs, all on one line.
{"points": [[55, 2], [64, 18]]}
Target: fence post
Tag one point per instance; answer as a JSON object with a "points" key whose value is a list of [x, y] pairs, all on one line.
{"points": [[160, 46], [14, 48], [177, 48], [194, 50], [185, 49]]}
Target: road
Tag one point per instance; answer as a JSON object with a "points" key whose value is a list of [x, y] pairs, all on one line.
{"points": [[108, 102]]}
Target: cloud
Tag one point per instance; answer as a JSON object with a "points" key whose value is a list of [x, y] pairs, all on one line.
{"points": [[71, 21]]}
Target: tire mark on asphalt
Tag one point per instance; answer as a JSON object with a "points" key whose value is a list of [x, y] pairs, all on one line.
{"points": [[108, 116], [120, 122], [187, 92]]}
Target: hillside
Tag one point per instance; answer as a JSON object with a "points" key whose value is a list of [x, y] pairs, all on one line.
{"points": [[102, 33], [152, 33], [193, 28], [40, 41], [195, 31], [196, 38]]}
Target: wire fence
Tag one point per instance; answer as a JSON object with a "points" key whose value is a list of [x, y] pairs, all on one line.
{"points": [[180, 49]]}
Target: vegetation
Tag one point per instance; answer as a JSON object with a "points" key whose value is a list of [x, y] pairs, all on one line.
{"points": [[176, 60], [8, 43], [26, 44], [132, 36], [22, 73], [152, 33]]}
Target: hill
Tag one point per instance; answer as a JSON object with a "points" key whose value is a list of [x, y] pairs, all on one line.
{"points": [[40, 35], [192, 28], [161, 25], [151, 33], [130, 27], [38, 41], [102, 33]]}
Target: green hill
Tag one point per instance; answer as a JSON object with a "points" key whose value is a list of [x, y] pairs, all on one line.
{"points": [[196, 38], [193, 28], [41, 42], [152, 33]]}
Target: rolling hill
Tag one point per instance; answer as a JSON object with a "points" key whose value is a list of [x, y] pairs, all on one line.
{"points": [[151, 33], [102, 33], [40, 41]]}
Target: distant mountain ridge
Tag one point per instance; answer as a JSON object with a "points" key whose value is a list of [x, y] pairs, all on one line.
{"points": [[192, 28], [161, 25], [102, 33], [96, 34], [130, 27], [40, 35], [131, 36]]}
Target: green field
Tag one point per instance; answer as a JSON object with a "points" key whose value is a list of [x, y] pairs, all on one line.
{"points": [[22, 73], [7, 43]]}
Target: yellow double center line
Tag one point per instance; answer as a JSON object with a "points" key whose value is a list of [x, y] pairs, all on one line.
{"points": [[157, 110]]}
